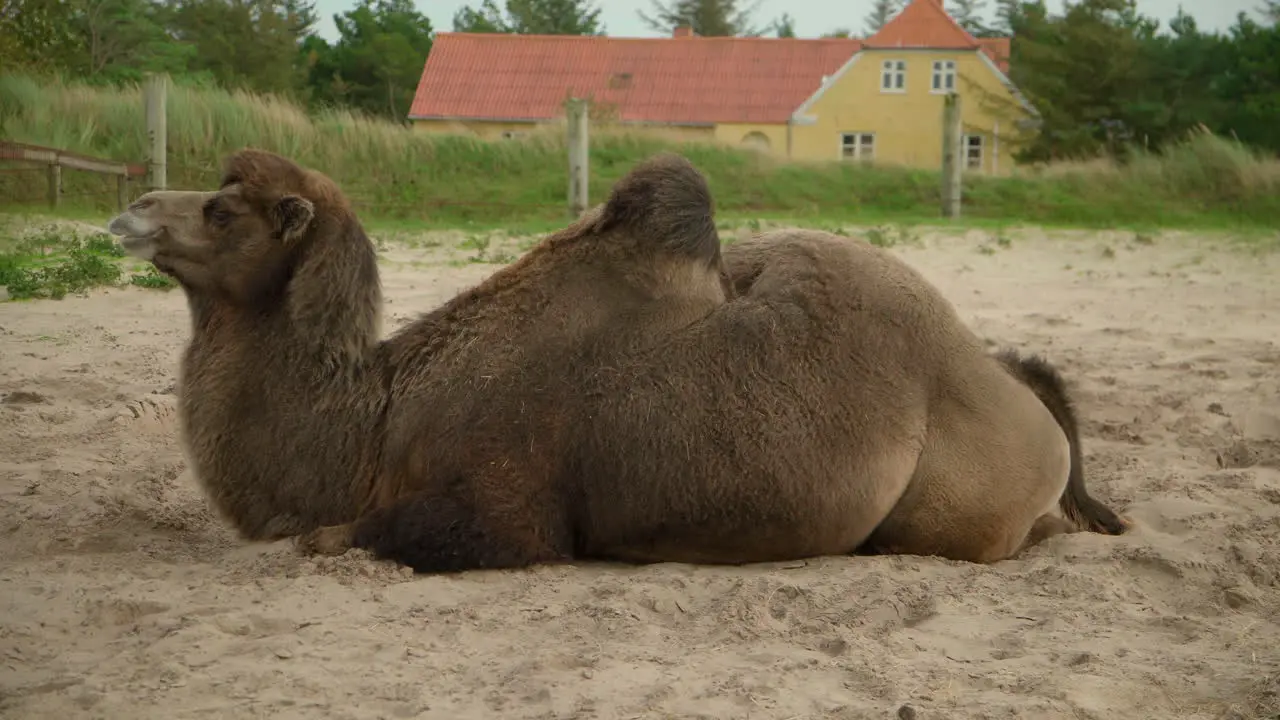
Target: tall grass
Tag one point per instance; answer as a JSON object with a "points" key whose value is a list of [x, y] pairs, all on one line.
{"points": [[393, 172]]}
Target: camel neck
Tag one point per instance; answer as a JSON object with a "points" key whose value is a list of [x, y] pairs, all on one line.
{"points": [[282, 430]]}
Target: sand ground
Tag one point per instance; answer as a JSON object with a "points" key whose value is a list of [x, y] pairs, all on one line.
{"points": [[122, 596]]}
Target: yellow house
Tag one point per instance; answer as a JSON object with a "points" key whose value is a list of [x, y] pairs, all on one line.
{"points": [[877, 100]]}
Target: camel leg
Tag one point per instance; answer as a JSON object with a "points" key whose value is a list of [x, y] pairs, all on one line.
{"points": [[973, 514], [980, 492], [436, 533], [328, 540]]}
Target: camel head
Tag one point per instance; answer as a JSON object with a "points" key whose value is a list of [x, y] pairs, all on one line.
{"points": [[175, 214], [241, 242]]}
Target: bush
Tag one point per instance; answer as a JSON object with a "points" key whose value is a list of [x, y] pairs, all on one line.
{"points": [[54, 262]]}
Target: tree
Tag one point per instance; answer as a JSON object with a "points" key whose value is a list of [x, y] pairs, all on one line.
{"points": [[487, 19], [709, 18], [1088, 72], [1179, 74], [532, 17], [125, 38], [377, 61], [250, 44], [838, 33], [882, 11], [555, 17], [39, 35], [1270, 11], [785, 26], [1249, 83], [968, 14], [1010, 14]]}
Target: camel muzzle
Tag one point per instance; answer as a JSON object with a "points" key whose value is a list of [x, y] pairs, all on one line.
{"points": [[137, 236]]}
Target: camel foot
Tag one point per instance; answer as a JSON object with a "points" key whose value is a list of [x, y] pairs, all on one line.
{"points": [[1101, 519], [330, 540], [1045, 527]]}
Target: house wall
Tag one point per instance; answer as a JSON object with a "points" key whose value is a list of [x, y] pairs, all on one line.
{"points": [[750, 135], [671, 133], [494, 129], [908, 125], [484, 129]]}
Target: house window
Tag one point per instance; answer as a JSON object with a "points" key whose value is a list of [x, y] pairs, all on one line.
{"points": [[857, 146], [513, 134], [893, 76], [944, 76], [973, 152]]}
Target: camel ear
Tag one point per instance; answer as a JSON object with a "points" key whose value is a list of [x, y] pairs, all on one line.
{"points": [[664, 203], [292, 215]]}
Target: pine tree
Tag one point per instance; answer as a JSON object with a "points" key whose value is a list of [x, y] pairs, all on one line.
{"points": [[1009, 14], [531, 17], [785, 26], [1270, 10], [377, 61], [554, 17], [968, 13], [882, 11], [485, 19], [708, 18]]}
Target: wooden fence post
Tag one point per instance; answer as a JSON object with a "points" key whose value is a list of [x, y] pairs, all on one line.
{"points": [[951, 165], [157, 131], [54, 175], [579, 155]]}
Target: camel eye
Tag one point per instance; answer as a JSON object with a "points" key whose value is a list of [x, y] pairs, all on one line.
{"points": [[220, 217]]}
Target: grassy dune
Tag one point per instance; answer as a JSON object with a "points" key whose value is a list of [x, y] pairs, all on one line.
{"points": [[394, 174]]}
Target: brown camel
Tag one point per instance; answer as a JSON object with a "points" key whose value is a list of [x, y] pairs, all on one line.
{"points": [[602, 397]]}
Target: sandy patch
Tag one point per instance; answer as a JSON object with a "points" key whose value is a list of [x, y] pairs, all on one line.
{"points": [[121, 596]]}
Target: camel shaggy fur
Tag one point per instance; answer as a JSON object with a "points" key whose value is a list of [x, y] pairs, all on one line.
{"points": [[622, 391]]}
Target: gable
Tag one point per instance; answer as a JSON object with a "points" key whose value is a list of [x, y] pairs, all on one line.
{"points": [[871, 63], [922, 24]]}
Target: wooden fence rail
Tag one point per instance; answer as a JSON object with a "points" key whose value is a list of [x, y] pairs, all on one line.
{"points": [[55, 160]]}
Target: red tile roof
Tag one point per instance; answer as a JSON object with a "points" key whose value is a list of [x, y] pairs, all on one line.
{"points": [[997, 49], [922, 24], [685, 80], [688, 80]]}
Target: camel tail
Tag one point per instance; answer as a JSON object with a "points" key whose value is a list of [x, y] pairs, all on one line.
{"points": [[1047, 383]]}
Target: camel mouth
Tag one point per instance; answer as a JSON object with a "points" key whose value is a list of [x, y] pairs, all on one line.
{"points": [[137, 236]]}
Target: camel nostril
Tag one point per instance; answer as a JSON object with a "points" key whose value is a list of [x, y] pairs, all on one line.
{"points": [[119, 224]]}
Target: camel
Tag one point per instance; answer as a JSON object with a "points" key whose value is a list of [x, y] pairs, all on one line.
{"points": [[623, 391]]}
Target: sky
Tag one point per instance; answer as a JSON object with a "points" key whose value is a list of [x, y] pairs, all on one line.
{"points": [[813, 17]]}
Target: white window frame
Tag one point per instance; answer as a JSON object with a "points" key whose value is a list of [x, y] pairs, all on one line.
{"points": [[858, 146], [944, 77], [514, 134], [969, 146], [893, 76]]}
